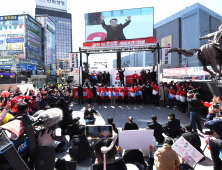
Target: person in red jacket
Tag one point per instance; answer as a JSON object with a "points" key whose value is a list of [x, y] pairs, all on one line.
{"points": [[89, 95], [119, 91], [171, 94], [135, 78], [132, 94], [125, 92], [155, 93], [183, 95], [138, 91]]}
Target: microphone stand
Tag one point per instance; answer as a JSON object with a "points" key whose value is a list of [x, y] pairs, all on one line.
{"points": [[104, 149]]}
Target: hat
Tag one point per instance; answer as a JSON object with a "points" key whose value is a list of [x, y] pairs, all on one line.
{"points": [[75, 119], [81, 130], [14, 100], [168, 141]]}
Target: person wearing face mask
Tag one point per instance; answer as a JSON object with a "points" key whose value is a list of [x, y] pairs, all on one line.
{"points": [[144, 93], [119, 91], [171, 93], [89, 114], [138, 90], [135, 78], [94, 94], [94, 77], [148, 76]]}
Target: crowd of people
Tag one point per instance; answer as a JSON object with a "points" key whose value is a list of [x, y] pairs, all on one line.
{"points": [[16, 104]]}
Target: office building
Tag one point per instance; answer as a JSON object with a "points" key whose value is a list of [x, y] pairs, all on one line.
{"points": [[20, 39], [63, 35]]}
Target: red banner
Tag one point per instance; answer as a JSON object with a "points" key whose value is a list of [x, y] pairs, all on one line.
{"points": [[175, 71], [120, 42]]}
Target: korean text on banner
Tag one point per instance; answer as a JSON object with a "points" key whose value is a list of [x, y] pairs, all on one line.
{"points": [[187, 151], [166, 42], [135, 139]]}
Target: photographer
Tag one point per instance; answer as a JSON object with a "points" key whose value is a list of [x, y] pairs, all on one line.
{"points": [[88, 114], [195, 105], [45, 153], [172, 128], [80, 149]]}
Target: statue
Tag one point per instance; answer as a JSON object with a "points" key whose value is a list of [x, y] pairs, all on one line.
{"points": [[210, 53]]}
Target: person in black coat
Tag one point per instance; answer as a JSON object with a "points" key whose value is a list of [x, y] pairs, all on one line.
{"points": [[172, 128], [88, 114], [114, 30], [153, 76], [67, 117], [104, 78], [121, 76], [43, 101], [52, 99], [130, 125], [158, 129], [110, 122], [80, 94], [192, 138], [108, 79], [94, 93], [80, 149], [149, 93], [144, 93]]}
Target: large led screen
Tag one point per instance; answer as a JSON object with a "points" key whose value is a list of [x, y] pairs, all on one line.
{"points": [[119, 25]]}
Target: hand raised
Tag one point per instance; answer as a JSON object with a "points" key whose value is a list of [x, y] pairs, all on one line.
{"points": [[102, 17], [129, 18]]}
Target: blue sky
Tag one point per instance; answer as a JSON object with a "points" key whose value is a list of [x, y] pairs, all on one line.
{"points": [[162, 9]]}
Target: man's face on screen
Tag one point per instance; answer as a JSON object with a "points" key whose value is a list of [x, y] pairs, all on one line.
{"points": [[113, 23]]}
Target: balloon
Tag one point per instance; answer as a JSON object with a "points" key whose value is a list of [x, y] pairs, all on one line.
{"points": [[207, 104]]}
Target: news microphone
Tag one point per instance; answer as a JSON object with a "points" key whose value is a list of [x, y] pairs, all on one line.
{"points": [[48, 118]]}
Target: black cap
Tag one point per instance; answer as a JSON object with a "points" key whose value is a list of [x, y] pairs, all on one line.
{"points": [[81, 130], [75, 119]]}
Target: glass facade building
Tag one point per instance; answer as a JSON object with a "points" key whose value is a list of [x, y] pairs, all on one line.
{"points": [[186, 27], [20, 39], [63, 38], [48, 45]]}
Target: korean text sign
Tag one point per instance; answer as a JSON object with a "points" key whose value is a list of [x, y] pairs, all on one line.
{"points": [[187, 151]]}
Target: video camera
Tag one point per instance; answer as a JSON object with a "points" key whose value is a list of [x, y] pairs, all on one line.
{"points": [[29, 127]]}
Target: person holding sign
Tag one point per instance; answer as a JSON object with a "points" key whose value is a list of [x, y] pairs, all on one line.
{"points": [[113, 95], [125, 92], [138, 91], [171, 93], [166, 158], [132, 94], [94, 77], [155, 93], [106, 95], [119, 94]]}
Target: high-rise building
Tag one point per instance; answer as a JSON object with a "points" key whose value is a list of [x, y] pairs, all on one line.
{"points": [[57, 11], [48, 46], [20, 42]]}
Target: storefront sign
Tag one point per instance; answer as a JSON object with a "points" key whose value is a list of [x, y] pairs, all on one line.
{"points": [[120, 43], [15, 46], [166, 57], [50, 29], [175, 71], [14, 40], [5, 18], [11, 52], [58, 4], [33, 21]]}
